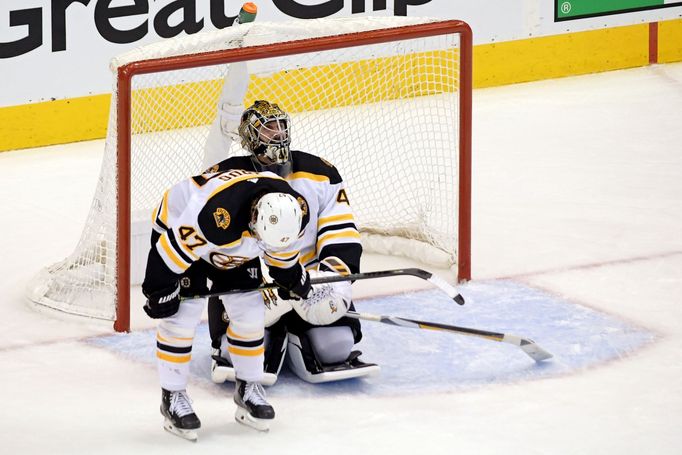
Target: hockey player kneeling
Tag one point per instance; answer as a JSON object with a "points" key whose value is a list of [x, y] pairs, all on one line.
{"points": [[311, 333], [320, 354], [318, 351]]}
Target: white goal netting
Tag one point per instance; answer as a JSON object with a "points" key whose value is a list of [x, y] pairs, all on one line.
{"points": [[386, 114]]}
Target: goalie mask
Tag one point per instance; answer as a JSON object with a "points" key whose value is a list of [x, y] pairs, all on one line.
{"points": [[264, 131], [276, 220]]}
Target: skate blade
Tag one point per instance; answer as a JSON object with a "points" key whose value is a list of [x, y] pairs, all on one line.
{"points": [[190, 435], [242, 416]]}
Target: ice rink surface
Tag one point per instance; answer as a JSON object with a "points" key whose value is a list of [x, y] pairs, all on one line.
{"points": [[577, 243]]}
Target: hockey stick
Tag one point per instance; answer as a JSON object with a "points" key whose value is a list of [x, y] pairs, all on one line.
{"points": [[528, 346], [419, 273]]}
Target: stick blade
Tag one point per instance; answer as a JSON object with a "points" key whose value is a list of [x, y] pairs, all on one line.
{"points": [[534, 351]]}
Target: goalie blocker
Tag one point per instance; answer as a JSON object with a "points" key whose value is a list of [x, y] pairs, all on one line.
{"points": [[287, 332]]}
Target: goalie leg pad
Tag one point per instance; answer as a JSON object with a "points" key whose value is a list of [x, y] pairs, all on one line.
{"points": [[297, 325], [303, 361], [275, 351], [331, 344]]}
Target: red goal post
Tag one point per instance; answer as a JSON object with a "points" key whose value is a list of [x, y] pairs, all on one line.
{"points": [[125, 130]]}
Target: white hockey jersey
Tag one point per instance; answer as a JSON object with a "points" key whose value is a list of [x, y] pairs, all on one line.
{"points": [[331, 230], [206, 218]]}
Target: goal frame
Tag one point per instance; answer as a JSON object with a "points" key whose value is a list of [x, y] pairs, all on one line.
{"points": [[125, 74]]}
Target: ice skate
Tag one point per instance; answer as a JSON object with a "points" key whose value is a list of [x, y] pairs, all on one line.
{"points": [[253, 410], [180, 418]]}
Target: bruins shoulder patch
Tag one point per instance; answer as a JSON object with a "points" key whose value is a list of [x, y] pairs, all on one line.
{"points": [[304, 205], [222, 218]]}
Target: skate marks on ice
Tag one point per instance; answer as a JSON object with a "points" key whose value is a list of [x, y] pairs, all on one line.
{"points": [[418, 361]]}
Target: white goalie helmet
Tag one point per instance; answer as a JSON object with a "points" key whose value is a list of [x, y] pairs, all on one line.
{"points": [[276, 220]]}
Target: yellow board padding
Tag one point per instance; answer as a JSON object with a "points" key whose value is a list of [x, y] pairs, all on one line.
{"points": [[361, 82], [174, 106], [670, 41], [192, 104], [85, 118], [303, 89], [555, 56], [54, 122]]}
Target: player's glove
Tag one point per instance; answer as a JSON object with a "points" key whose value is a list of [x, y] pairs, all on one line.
{"points": [[163, 303], [275, 307], [298, 289], [326, 303]]}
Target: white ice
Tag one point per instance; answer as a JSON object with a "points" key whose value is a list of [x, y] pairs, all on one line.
{"points": [[577, 192]]}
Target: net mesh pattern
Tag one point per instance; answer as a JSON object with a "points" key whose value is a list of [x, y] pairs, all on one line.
{"points": [[385, 114]]}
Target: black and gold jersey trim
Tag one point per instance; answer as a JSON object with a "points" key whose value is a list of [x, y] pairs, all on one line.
{"points": [[178, 248], [337, 227], [305, 163]]}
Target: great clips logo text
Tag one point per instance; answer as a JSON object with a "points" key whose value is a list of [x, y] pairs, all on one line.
{"points": [[175, 17]]}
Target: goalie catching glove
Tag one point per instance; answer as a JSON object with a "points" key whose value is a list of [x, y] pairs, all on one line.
{"points": [[164, 303], [326, 303]]}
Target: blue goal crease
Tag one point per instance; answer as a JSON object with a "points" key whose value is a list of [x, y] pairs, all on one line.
{"points": [[419, 361]]}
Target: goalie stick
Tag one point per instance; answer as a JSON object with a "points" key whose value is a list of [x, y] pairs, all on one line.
{"points": [[527, 345], [419, 273]]}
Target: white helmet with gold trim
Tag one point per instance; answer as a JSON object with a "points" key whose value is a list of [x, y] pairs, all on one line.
{"points": [[276, 220]]}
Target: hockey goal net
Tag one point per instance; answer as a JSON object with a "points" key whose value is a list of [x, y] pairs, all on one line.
{"points": [[387, 100]]}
